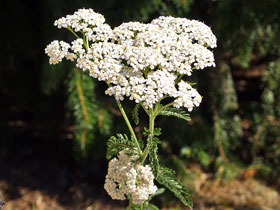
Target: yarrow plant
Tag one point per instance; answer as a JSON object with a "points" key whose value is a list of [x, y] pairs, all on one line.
{"points": [[148, 64]]}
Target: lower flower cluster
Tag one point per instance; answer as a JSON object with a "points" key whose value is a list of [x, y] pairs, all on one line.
{"points": [[125, 179]]}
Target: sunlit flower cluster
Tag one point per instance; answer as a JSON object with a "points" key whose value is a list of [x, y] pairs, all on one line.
{"points": [[81, 20], [143, 62], [188, 97], [57, 50], [125, 178], [191, 29]]}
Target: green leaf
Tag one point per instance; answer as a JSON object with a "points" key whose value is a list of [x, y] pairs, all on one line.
{"points": [[179, 113], [167, 178], [157, 132], [118, 143], [150, 206], [153, 156], [158, 192], [82, 104], [146, 206], [135, 114], [146, 132]]}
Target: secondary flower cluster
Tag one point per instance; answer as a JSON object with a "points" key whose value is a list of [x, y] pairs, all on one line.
{"points": [[125, 178], [144, 62]]}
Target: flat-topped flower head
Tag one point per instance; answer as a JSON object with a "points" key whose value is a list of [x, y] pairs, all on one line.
{"points": [[193, 29], [143, 62]]}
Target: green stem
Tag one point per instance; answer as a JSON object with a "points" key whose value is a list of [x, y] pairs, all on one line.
{"points": [[129, 127], [163, 107], [179, 78], [152, 116], [85, 41], [73, 32], [151, 130], [129, 205], [151, 125]]}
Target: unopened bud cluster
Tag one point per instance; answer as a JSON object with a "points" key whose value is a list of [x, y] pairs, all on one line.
{"points": [[143, 62], [125, 179]]}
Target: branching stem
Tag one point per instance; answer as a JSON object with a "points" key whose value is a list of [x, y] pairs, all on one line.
{"points": [[73, 32], [163, 107], [179, 78], [151, 134]]}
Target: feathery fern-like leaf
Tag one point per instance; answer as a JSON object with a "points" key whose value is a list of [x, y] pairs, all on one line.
{"points": [[167, 178], [135, 114], [156, 132], [153, 156], [158, 192], [179, 113], [83, 106], [150, 206], [118, 143], [147, 206]]}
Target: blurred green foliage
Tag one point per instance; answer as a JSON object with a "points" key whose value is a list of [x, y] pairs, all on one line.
{"points": [[237, 123]]}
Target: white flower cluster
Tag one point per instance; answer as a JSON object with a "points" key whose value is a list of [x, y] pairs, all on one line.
{"points": [[125, 178], [57, 50], [192, 29], [80, 20], [143, 62], [86, 21], [188, 97]]}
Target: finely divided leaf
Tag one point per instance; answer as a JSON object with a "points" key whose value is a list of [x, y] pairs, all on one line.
{"points": [[147, 206], [152, 143], [135, 114], [158, 192], [150, 206], [157, 132], [118, 143], [167, 178], [171, 111], [146, 132], [83, 106], [153, 156]]}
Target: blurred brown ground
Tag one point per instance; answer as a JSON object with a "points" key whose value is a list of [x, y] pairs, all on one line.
{"points": [[245, 193]]}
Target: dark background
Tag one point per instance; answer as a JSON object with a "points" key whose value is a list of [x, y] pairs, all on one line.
{"points": [[235, 130]]}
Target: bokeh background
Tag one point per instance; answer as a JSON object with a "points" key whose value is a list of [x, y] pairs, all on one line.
{"points": [[53, 157]]}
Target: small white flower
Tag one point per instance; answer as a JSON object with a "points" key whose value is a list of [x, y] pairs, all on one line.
{"points": [[125, 177], [57, 50], [139, 61]]}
